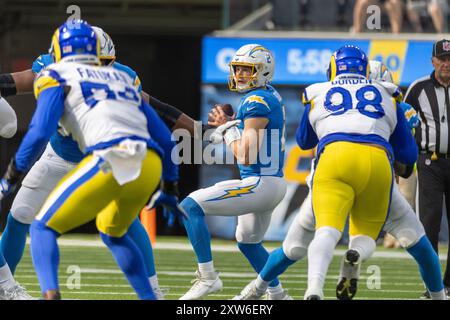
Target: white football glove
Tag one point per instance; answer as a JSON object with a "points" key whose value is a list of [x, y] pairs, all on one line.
{"points": [[218, 135]]}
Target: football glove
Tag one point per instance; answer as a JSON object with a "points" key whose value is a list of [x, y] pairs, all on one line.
{"points": [[41, 62], [219, 134], [167, 198], [10, 180]]}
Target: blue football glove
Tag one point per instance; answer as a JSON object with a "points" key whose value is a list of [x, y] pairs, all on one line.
{"points": [[410, 115], [167, 198], [41, 62], [10, 180]]}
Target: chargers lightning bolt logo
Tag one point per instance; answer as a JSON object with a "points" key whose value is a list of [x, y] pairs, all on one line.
{"points": [[236, 192]]}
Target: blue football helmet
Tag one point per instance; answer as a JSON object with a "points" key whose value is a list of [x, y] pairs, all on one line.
{"points": [[348, 59], [75, 41]]}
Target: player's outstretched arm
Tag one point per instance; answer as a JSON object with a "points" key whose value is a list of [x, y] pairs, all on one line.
{"points": [[172, 117], [8, 120], [402, 141], [16, 83]]}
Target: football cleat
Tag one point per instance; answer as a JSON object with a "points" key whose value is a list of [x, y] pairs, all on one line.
{"points": [[159, 293], [250, 292], [16, 292], [282, 295], [348, 279], [203, 284]]}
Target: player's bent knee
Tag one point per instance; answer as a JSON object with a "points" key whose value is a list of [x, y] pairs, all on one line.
{"points": [[295, 252], [248, 238], [24, 214], [191, 206], [408, 237]]}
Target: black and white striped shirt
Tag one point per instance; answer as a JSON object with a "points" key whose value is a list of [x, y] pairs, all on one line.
{"points": [[432, 102]]}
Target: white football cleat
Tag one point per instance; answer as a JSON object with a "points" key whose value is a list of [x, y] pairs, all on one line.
{"points": [[314, 294], [250, 292], [159, 293], [204, 284], [16, 292], [282, 295]]}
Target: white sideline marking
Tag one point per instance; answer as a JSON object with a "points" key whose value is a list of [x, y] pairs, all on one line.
{"points": [[222, 248]]}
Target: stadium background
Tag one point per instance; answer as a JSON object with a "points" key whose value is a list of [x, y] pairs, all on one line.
{"points": [[180, 49]]}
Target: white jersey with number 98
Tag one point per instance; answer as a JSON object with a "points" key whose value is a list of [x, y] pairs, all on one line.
{"points": [[352, 104]]}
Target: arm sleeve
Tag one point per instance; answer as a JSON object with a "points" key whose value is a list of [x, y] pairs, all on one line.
{"points": [[50, 107], [168, 113], [306, 136], [402, 141], [8, 120], [161, 134]]}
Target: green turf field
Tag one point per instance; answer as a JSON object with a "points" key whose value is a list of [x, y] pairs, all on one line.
{"points": [[100, 278]]}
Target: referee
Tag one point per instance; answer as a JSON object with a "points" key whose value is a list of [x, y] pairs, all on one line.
{"points": [[430, 96]]}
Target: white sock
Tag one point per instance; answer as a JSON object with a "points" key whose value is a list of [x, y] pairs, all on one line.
{"points": [[320, 254], [365, 246], [206, 267], [276, 289], [6, 277], [154, 282], [261, 284], [440, 295]]}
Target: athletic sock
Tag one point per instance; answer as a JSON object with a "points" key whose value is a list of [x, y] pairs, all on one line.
{"points": [[257, 255], [197, 230], [45, 255], [429, 266], [13, 241], [131, 262], [276, 264], [140, 237]]}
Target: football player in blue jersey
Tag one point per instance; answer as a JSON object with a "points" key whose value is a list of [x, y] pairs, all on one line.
{"points": [[60, 156], [258, 130]]}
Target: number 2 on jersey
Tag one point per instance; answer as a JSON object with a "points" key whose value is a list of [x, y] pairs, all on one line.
{"points": [[375, 112]]}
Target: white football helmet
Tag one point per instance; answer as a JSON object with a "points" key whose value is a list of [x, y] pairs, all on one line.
{"points": [[261, 61], [107, 50], [379, 72]]}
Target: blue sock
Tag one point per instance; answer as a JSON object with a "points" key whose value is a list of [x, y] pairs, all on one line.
{"points": [[429, 265], [45, 255], [2, 259], [257, 255], [13, 241], [197, 230], [131, 262], [276, 264], [139, 235]]}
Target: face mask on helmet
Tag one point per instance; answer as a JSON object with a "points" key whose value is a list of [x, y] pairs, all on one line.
{"points": [[75, 42], [379, 71], [251, 67], [107, 48]]}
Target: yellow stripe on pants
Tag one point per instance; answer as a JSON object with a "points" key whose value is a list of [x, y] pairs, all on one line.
{"points": [[352, 178], [89, 192]]}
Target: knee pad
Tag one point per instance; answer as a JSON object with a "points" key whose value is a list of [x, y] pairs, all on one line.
{"points": [[9, 130], [295, 252], [247, 238], [23, 214]]}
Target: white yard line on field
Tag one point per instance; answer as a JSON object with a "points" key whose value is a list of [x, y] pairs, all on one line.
{"points": [[160, 245]]}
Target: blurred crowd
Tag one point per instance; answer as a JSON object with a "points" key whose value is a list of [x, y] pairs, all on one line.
{"points": [[396, 16]]}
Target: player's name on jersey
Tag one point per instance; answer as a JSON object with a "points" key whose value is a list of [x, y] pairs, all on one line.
{"points": [[343, 81], [104, 75]]}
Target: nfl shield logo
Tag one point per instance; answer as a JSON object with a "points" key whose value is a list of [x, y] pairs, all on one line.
{"points": [[446, 46]]}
